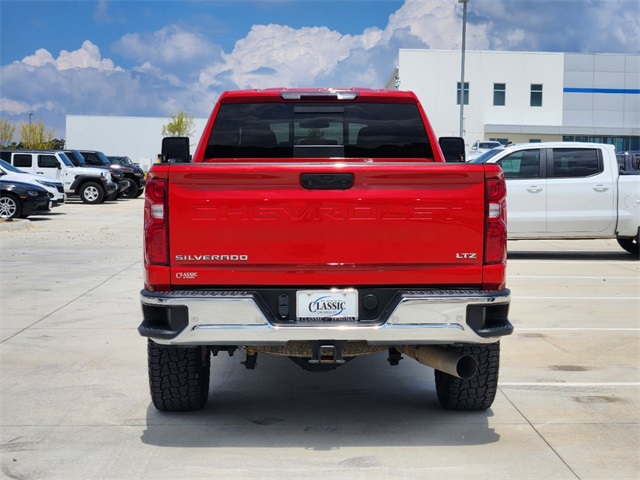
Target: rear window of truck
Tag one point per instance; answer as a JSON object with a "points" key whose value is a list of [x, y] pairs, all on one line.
{"points": [[325, 130]]}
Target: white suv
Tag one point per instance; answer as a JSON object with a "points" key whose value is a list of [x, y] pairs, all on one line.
{"points": [[51, 185]]}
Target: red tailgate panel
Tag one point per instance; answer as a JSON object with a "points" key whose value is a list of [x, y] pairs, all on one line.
{"points": [[254, 224]]}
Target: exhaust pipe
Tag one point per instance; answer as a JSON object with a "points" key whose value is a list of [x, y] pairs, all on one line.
{"points": [[443, 359]]}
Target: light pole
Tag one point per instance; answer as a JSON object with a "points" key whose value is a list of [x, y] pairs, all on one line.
{"points": [[30, 115], [464, 39]]}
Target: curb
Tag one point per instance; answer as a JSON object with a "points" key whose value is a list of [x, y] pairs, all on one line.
{"points": [[16, 224]]}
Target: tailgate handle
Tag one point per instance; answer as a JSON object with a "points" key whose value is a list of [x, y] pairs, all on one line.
{"points": [[326, 181]]}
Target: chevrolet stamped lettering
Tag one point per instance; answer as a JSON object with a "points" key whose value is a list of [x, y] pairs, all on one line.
{"points": [[339, 212], [341, 227]]}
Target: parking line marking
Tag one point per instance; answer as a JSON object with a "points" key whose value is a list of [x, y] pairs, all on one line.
{"points": [[562, 277], [576, 298], [569, 384], [578, 329], [616, 263]]}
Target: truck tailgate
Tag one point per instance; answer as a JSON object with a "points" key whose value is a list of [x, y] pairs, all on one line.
{"points": [[261, 224]]}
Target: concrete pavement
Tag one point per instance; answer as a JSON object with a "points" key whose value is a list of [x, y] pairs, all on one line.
{"points": [[74, 401]]}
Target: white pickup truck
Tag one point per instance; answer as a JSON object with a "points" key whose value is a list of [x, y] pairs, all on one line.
{"points": [[568, 190]]}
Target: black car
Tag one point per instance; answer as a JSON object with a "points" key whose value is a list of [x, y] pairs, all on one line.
{"points": [[133, 173], [19, 200], [81, 158], [629, 162]]}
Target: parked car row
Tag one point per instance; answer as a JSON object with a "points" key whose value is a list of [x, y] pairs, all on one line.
{"points": [[130, 177], [28, 175]]}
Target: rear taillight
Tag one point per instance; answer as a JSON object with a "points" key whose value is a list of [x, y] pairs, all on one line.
{"points": [[495, 243], [156, 232]]}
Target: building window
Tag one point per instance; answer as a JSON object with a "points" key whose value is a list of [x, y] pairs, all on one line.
{"points": [[621, 143], [499, 93], [535, 140], [466, 93], [536, 94]]}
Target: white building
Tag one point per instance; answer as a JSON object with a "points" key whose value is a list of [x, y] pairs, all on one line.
{"points": [[139, 138], [522, 97]]}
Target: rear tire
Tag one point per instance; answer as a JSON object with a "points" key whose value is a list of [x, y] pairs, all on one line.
{"points": [[630, 245], [130, 190], [478, 392], [92, 193], [10, 206], [178, 377]]}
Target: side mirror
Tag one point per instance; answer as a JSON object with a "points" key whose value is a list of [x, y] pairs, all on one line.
{"points": [[175, 149], [452, 149]]}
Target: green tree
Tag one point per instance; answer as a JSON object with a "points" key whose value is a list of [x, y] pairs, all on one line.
{"points": [[57, 144], [35, 135], [180, 125], [7, 129]]}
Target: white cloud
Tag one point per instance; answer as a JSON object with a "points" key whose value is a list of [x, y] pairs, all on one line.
{"points": [[101, 12], [619, 23], [595, 26], [169, 46], [40, 58], [88, 56], [20, 110], [291, 56], [436, 23], [14, 107], [148, 68]]}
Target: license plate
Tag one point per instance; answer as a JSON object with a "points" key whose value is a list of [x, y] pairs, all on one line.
{"points": [[327, 305]]}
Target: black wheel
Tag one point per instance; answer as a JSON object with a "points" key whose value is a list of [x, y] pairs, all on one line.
{"points": [[10, 206], [112, 197], [178, 377], [130, 190], [92, 192], [140, 192], [478, 392], [630, 245]]}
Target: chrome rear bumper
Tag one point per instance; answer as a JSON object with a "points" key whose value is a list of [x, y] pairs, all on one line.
{"points": [[206, 317]]}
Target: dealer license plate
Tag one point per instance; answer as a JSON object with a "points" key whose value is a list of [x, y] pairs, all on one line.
{"points": [[327, 305]]}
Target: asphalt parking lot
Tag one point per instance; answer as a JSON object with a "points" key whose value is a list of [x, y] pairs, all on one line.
{"points": [[74, 400]]}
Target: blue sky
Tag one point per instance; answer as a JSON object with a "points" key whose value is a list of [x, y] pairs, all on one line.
{"points": [[154, 58]]}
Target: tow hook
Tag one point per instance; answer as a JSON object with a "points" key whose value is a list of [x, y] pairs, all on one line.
{"points": [[394, 357], [252, 359]]}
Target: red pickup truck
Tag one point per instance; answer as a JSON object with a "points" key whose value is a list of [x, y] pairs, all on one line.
{"points": [[323, 225]]}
